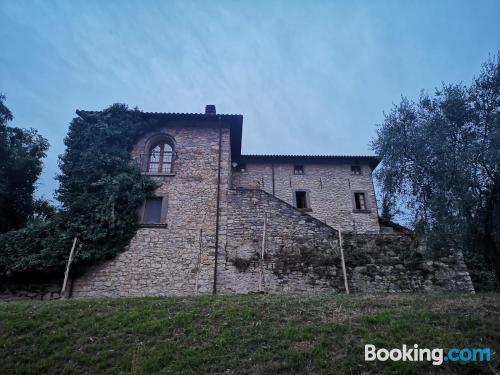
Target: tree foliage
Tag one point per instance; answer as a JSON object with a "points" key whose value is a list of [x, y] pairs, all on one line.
{"points": [[441, 158], [21, 160], [43, 210], [101, 189]]}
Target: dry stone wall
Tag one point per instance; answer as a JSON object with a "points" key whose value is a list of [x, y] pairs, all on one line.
{"points": [[35, 290], [298, 247], [398, 263], [302, 255]]}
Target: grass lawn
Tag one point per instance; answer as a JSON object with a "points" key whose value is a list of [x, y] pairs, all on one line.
{"points": [[244, 334]]}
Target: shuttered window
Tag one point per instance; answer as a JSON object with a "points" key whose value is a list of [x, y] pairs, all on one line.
{"points": [[152, 210]]}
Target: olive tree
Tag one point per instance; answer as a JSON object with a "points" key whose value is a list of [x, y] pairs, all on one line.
{"points": [[441, 160]]}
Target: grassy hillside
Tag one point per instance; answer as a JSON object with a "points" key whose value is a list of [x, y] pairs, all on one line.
{"points": [[242, 334]]}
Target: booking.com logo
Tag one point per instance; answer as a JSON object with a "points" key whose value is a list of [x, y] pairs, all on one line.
{"points": [[416, 354]]}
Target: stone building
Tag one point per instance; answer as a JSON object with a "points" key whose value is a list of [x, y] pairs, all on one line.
{"points": [[225, 222]]}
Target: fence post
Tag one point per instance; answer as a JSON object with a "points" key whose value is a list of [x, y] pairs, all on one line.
{"points": [[198, 265], [343, 262], [66, 273], [262, 254]]}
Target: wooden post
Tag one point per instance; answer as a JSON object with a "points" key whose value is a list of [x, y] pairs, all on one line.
{"points": [[66, 273], [262, 254], [343, 262], [198, 266]]}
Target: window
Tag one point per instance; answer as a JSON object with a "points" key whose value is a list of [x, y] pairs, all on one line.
{"points": [[152, 211], [160, 159], [359, 201], [301, 200], [241, 167], [298, 169], [355, 169]]}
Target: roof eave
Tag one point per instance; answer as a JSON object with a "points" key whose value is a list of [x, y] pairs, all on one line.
{"points": [[372, 160], [233, 121]]}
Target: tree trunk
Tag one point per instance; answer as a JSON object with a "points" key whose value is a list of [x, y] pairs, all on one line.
{"points": [[489, 246]]}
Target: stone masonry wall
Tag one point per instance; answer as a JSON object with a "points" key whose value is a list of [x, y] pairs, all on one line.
{"points": [[297, 254], [34, 290], [330, 187], [167, 260], [302, 255], [397, 263]]}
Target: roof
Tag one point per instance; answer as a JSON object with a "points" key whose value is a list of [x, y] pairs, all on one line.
{"points": [[372, 160], [396, 226], [235, 123]]}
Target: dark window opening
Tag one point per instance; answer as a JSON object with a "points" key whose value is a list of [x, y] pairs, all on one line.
{"points": [[356, 169], [160, 159], [298, 169], [301, 199], [241, 167], [359, 201], [152, 211]]}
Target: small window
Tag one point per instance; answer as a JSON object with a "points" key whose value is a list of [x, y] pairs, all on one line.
{"points": [[301, 199], [355, 169], [298, 169], [359, 201], [241, 167], [152, 211]]}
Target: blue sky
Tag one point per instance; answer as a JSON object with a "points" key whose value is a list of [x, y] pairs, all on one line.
{"points": [[308, 76]]}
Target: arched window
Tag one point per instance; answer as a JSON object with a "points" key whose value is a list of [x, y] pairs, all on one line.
{"points": [[160, 158]]}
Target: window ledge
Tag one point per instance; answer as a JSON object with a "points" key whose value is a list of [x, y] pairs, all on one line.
{"points": [[156, 174], [362, 211], [305, 209], [159, 225]]}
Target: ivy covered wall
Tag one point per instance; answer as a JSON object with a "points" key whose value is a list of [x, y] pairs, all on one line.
{"points": [[100, 192]]}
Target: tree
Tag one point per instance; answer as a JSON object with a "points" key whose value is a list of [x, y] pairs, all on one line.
{"points": [[441, 158], [21, 155], [101, 190], [43, 210], [388, 209]]}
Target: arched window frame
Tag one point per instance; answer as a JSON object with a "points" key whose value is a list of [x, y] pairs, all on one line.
{"points": [[166, 155]]}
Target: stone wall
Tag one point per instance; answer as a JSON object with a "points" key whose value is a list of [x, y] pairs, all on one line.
{"points": [[166, 259], [397, 263], [34, 290], [302, 255], [330, 187], [298, 247]]}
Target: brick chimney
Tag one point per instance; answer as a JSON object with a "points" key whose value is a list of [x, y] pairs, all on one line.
{"points": [[210, 109]]}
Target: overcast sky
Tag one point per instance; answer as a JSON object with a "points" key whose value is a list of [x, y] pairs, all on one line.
{"points": [[308, 76]]}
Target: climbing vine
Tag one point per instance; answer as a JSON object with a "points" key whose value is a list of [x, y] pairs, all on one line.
{"points": [[101, 190]]}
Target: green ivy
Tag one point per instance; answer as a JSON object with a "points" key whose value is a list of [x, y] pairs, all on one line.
{"points": [[101, 190]]}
